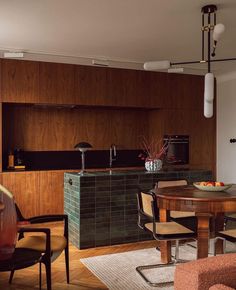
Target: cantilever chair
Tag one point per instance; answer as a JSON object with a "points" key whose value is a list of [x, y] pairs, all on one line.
{"points": [[148, 219], [226, 234], [169, 183], [51, 246]]}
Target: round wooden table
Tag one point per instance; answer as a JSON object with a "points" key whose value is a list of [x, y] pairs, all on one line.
{"points": [[205, 204]]}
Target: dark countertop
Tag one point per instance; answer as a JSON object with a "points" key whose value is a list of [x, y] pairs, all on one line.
{"points": [[137, 172]]}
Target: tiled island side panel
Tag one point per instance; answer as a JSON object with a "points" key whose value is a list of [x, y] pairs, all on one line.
{"points": [[102, 208]]}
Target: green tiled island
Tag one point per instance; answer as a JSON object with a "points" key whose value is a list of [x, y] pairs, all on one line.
{"points": [[102, 207]]}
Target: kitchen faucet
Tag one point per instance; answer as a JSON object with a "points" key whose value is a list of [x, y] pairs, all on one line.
{"points": [[112, 155]]}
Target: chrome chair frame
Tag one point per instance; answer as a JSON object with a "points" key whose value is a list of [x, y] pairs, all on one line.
{"points": [[155, 218]]}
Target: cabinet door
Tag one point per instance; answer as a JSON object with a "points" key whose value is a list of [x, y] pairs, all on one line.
{"points": [[19, 81], [56, 83], [91, 85], [25, 188], [51, 192], [128, 88]]}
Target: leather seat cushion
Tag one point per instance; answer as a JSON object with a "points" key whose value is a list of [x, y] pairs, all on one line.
{"points": [[38, 243], [168, 228]]}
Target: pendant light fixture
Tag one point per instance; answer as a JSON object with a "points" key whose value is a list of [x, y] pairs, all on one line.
{"points": [[211, 30]]}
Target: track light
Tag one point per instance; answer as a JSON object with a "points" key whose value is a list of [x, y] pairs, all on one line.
{"points": [[157, 65]]}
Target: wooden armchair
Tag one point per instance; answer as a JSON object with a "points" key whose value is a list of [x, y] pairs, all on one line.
{"points": [[51, 246]]}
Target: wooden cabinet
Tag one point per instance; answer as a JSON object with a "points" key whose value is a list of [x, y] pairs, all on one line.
{"points": [[56, 83], [91, 85], [51, 192], [67, 84], [19, 81], [36, 192], [25, 188]]}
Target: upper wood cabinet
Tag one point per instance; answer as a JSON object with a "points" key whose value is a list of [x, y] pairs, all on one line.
{"points": [[19, 81], [56, 83], [91, 85], [129, 88]]}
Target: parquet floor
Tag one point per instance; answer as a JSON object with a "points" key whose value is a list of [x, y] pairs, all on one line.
{"points": [[80, 277]]}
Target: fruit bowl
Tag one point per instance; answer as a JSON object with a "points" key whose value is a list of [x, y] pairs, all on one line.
{"points": [[211, 187]]}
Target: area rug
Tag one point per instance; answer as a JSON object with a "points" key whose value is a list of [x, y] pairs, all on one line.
{"points": [[117, 271]]}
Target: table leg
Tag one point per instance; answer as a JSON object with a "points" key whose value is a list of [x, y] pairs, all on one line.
{"points": [[219, 226], [165, 247], [203, 235]]}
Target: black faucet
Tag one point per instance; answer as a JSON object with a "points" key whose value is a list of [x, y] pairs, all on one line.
{"points": [[112, 155]]}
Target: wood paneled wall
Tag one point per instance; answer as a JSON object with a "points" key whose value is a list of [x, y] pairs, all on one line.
{"points": [[45, 129], [190, 122]]}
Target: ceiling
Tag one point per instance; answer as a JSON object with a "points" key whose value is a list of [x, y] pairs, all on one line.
{"points": [[126, 31]]}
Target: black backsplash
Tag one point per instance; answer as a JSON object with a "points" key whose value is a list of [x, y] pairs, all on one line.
{"points": [[50, 160]]}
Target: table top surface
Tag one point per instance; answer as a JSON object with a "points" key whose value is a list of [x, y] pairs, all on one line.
{"points": [[194, 194]]}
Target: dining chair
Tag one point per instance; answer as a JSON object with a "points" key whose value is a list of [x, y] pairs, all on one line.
{"points": [[50, 246], [148, 219], [170, 183], [226, 234]]}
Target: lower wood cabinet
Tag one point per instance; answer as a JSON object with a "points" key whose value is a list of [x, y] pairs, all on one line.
{"points": [[51, 192], [36, 192]]}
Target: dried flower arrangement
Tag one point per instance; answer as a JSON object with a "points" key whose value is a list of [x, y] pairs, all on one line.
{"points": [[155, 149]]}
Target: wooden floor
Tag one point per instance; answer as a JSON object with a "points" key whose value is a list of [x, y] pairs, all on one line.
{"points": [[80, 277]]}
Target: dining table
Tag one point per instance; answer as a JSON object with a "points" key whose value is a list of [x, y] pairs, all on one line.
{"points": [[207, 205]]}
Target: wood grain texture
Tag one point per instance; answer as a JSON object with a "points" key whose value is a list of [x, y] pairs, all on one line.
{"points": [[56, 83], [38, 192], [91, 85], [20, 81], [165, 246], [38, 129], [203, 235], [201, 131], [25, 188], [51, 192]]}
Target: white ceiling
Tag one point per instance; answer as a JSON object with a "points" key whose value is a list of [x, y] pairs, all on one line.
{"points": [[119, 30]]}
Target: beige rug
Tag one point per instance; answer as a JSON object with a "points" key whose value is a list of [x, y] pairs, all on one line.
{"points": [[117, 271]]}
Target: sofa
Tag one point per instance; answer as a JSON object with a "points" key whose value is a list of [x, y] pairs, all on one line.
{"points": [[214, 273]]}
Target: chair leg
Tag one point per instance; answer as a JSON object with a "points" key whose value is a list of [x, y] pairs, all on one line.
{"points": [[11, 276], [40, 275], [146, 267], [224, 244], [47, 264], [67, 264]]}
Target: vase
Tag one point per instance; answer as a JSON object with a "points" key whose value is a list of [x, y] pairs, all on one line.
{"points": [[153, 165]]}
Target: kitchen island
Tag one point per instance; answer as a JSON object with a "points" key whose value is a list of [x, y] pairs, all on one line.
{"points": [[102, 207]]}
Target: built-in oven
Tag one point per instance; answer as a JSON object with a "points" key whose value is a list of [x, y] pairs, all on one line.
{"points": [[178, 149]]}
